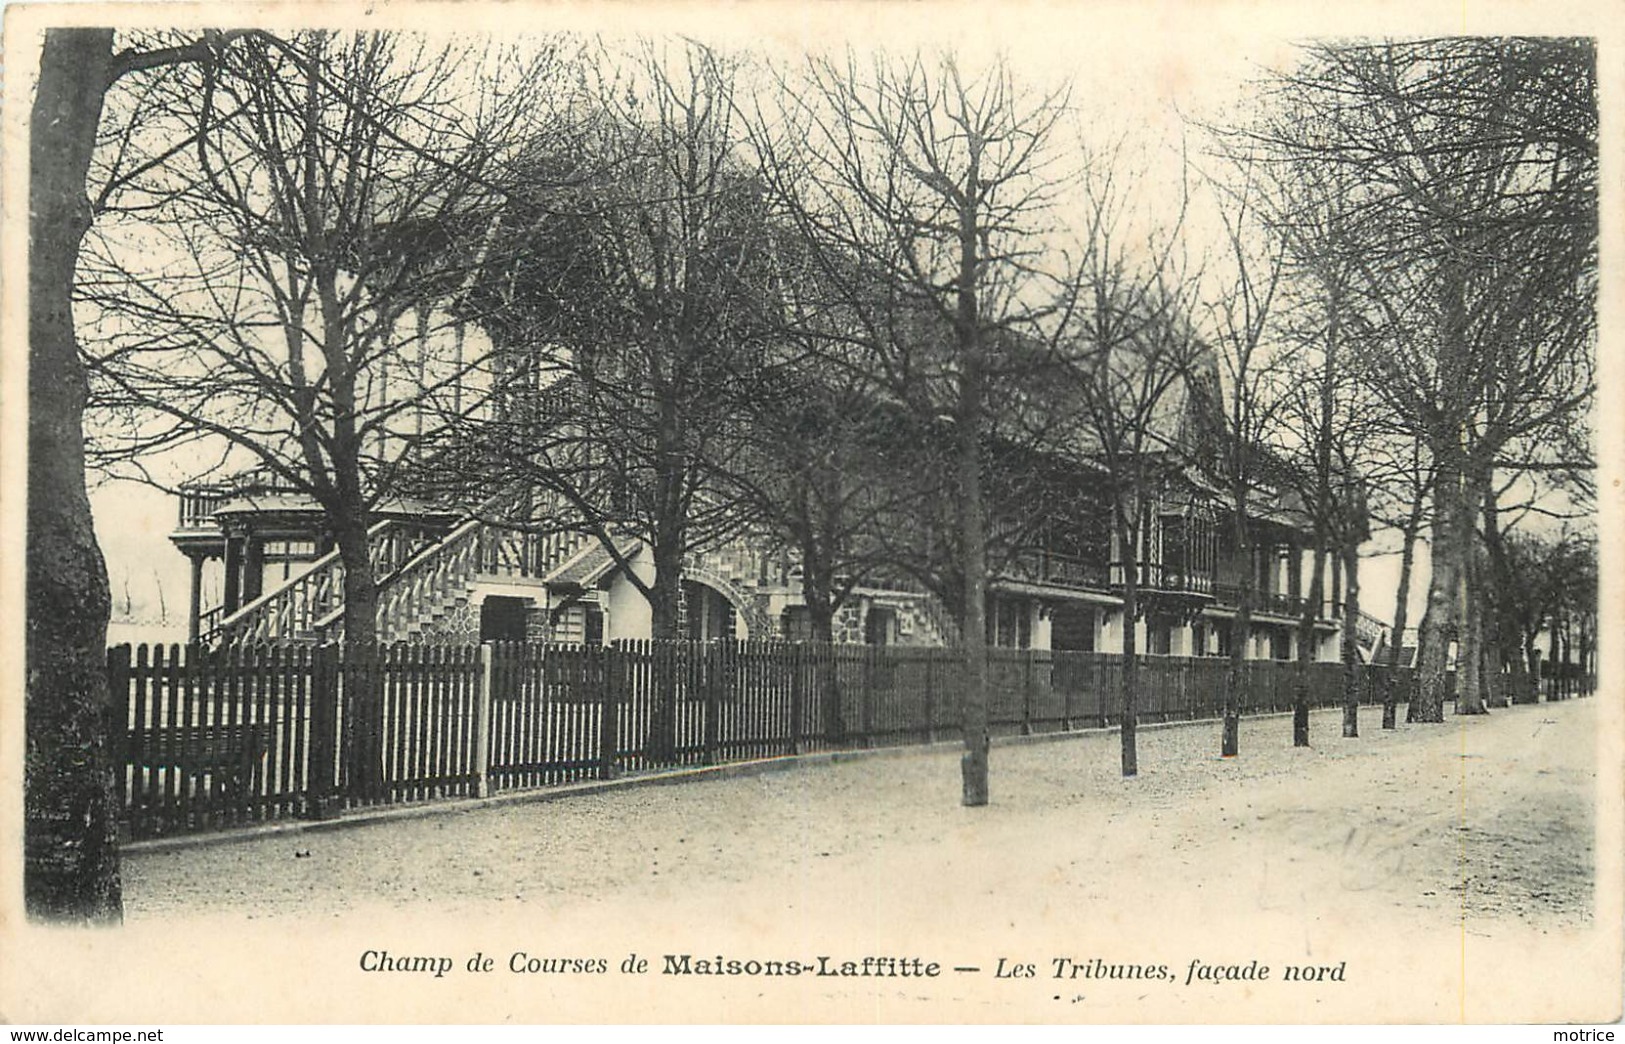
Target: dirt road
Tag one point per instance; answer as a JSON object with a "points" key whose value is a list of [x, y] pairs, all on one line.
{"points": [[1445, 870]]}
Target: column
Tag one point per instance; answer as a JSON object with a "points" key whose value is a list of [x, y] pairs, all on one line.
{"points": [[253, 566], [194, 610], [234, 574]]}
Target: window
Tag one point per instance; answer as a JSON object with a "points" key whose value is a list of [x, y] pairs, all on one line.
{"points": [[796, 624], [290, 549], [880, 626], [1160, 638], [1010, 624], [1072, 629], [502, 619]]}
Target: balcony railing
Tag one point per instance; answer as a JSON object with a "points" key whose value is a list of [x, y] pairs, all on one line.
{"points": [[198, 505], [1048, 567], [1154, 576], [1070, 571], [1264, 602], [200, 501]]}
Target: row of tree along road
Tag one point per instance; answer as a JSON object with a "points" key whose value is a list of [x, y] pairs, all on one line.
{"points": [[678, 294]]}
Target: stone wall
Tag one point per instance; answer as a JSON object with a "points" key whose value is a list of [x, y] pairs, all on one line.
{"points": [[459, 624]]}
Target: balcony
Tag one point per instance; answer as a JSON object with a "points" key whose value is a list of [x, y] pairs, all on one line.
{"points": [[1155, 577], [1272, 602], [198, 505], [1048, 567]]}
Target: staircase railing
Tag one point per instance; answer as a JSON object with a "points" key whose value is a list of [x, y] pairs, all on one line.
{"points": [[296, 607], [411, 593]]}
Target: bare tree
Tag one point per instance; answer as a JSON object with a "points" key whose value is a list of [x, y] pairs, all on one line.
{"points": [[1406, 500], [1473, 219], [1240, 317], [923, 189], [1131, 360], [71, 869], [276, 293]]}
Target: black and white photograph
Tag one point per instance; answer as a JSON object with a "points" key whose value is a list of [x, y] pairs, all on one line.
{"points": [[789, 513]]}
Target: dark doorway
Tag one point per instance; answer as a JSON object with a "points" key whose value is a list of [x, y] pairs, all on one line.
{"points": [[880, 626], [502, 619], [1072, 629]]}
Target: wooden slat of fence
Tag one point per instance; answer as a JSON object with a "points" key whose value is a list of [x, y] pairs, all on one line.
{"points": [[118, 686], [172, 715], [415, 712], [231, 801], [247, 762], [461, 754], [502, 703], [191, 684], [567, 711], [469, 768], [140, 791], [454, 685], [391, 684], [536, 708], [298, 779], [541, 730], [268, 717], [432, 676], [528, 696], [259, 756]]}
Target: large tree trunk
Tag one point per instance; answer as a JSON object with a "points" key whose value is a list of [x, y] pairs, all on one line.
{"points": [[665, 622], [1470, 643], [1130, 557], [1554, 660], [973, 524], [363, 682], [1502, 636], [1532, 655], [1402, 602], [815, 590], [71, 864], [1567, 677], [1306, 640], [1443, 589], [972, 512], [1235, 673]]}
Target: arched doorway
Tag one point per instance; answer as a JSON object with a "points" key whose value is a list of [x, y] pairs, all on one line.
{"points": [[709, 615]]}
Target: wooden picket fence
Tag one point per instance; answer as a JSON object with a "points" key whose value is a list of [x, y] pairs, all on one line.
{"points": [[217, 738]]}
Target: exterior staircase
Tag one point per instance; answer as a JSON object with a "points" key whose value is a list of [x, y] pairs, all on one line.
{"points": [[420, 578]]}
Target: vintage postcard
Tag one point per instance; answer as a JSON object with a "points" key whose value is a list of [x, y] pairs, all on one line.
{"points": [[1046, 513]]}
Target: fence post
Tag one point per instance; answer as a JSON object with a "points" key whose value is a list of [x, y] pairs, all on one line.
{"points": [[712, 668], [1066, 691], [798, 695], [1027, 692], [320, 793], [118, 684], [930, 696], [866, 709], [609, 713], [482, 724], [830, 696]]}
